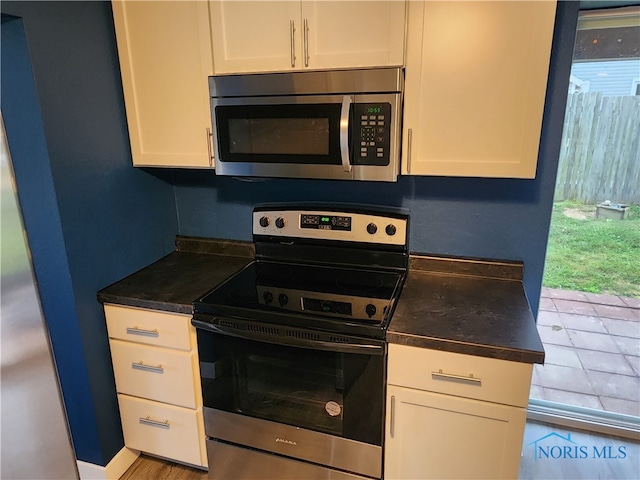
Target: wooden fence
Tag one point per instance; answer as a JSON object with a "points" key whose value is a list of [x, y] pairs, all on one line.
{"points": [[600, 153]]}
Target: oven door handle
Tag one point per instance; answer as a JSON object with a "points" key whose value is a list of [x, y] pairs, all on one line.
{"points": [[338, 347]]}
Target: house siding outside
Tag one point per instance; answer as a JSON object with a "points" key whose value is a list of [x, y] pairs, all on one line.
{"points": [[609, 77]]}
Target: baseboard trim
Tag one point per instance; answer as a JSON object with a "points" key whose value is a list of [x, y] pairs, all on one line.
{"points": [[119, 464]]}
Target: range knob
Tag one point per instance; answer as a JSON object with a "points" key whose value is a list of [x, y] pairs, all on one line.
{"points": [[391, 230], [372, 228], [283, 299], [268, 297], [370, 309], [264, 221], [280, 222]]}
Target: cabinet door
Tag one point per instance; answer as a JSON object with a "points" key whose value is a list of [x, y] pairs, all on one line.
{"points": [[347, 34], [476, 77], [255, 36], [165, 59], [430, 435]]}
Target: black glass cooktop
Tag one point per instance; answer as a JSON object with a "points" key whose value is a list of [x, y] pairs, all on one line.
{"points": [[296, 294]]}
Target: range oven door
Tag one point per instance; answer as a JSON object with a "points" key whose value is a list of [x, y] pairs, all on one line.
{"points": [[279, 390], [342, 137]]}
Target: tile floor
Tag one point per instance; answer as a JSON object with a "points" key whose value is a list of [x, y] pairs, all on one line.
{"points": [[592, 345]]}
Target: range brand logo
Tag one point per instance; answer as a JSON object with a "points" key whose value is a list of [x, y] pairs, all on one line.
{"points": [[288, 442], [554, 446]]}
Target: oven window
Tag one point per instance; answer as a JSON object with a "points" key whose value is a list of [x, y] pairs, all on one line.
{"points": [[297, 387], [289, 133], [330, 392]]}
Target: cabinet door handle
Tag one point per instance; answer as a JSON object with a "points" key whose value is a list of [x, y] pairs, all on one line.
{"points": [[409, 144], [392, 419], [155, 423], [141, 331], [147, 368], [210, 146], [292, 31], [306, 42], [440, 375]]}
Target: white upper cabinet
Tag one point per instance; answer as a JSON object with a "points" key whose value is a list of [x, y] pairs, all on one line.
{"points": [[255, 36], [294, 35], [476, 78], [165, 59], [354, 34]]}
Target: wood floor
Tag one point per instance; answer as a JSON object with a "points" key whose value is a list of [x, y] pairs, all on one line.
{"points": [[589, 456], [152, 468]]}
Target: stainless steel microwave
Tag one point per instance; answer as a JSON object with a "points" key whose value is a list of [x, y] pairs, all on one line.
{"points": [[340, 124]]}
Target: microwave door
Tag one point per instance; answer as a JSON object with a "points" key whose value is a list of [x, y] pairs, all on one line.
{"points": [[294, 136]]}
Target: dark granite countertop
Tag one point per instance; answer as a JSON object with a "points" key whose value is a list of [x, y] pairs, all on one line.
{"points": [[472, 307], [174, 282]]}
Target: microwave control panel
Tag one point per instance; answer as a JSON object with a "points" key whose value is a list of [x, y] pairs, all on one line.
{"points": [[373, 121]]}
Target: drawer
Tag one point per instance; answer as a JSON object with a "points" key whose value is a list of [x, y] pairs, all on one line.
{"points": [[155, 373], [150, 327], [165, 430], [482, 378]]}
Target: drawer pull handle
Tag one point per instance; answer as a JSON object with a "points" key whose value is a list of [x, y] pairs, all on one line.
{"points": [[143, 332], [147, 368], [440, 375], [155, 423]]}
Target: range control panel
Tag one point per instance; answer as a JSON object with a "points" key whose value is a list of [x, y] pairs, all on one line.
{"points": [[335, 305], [373, 145], [332, 225]]}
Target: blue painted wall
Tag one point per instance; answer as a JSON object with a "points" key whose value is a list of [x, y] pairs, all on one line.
{"points": [[21, 114], [486, 218], [86, 203], [91, 218]]}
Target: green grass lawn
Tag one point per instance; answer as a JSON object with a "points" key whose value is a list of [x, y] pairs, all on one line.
{"points": [[594, 255]]}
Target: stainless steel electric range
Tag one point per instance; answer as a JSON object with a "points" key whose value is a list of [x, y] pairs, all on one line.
{"points": [[291, 348]]}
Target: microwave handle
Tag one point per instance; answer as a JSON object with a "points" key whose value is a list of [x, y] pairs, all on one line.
{"points": [[344, 132]]}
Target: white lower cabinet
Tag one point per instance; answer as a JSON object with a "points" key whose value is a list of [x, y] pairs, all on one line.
{"points": [[162, 429], [155, 364], [156, 373], [436, 427]]}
